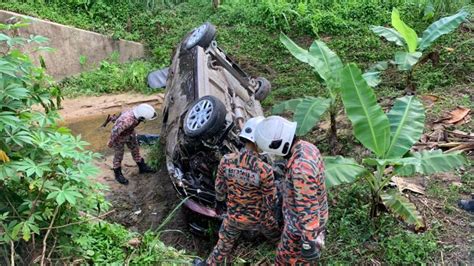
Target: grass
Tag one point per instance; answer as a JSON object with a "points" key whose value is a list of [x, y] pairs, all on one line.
{"points": [[354, 237], [103, 242], [248, 31], [109, 77], [156, 155]]}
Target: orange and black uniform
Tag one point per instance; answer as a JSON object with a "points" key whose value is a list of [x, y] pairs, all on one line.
{"points": [[305, 207], [246, 182]]}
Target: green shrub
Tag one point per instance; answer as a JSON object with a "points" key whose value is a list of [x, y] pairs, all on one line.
{"points": [[44, 170], [407, 247], [110, 77], [156, 155], [49, 202], [106, 243]]}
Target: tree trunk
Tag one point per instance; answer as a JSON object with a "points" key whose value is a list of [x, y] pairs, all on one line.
{"points": [[333, 132], [374, 207], [216, 3], [410, 88]]}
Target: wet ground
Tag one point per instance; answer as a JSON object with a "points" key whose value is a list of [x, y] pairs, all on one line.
{"points": [[85, 115], [148, 199]]}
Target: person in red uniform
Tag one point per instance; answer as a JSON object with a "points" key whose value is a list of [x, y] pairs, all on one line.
{"points": [[245, 182], [123, 133], [305, 207]]}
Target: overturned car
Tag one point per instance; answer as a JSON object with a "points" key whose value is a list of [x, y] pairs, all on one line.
{"points": [[208, 99]]}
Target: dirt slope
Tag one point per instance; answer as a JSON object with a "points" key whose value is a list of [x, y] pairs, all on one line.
{"points": [[148, 198]]}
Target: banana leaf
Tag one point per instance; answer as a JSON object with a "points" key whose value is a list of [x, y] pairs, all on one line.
{"points": [[407, 121], [389, 34], [370, 124], [431, 162], [441, 27], [298, 52], [331, 66], [372, 75], [308, 112], [405, 61], [402, 207], [289, 105], [341, 170], [408, 34]]}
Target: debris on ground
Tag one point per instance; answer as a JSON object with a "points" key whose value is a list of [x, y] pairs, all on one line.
{"points": [[429, 100], [443, 135], [407, 184], [458, 116], [134, 242], [448, 140]]}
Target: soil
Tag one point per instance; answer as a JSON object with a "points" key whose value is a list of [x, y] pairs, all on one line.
{"points": [[454, 224], [148, 199]]}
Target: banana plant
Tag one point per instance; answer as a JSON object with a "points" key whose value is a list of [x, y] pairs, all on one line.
{"points": [[390, 138], [403, 35], [328, 66]]}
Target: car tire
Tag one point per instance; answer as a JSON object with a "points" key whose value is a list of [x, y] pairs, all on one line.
{"points": [[201, 36], [205, 117], [263, 88]]}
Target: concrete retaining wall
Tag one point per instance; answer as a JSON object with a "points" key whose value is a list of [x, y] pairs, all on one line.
{"points": [[70, 43]]}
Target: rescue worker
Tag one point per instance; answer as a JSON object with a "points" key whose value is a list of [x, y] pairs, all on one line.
{"points": [[305, 207], [123, 133], [246, 182]]}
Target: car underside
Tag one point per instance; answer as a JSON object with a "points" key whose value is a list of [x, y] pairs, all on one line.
{"points": [[208, 98]]}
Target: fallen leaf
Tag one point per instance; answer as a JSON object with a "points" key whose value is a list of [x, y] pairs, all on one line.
{"points": [[134, 242], [468, 146], [458, 114], [405, 183], [463, 121], [429, 99], [449, 49], [461, 134]]}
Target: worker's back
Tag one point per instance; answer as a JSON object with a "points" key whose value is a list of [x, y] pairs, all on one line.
{"points": [[247, 182]]}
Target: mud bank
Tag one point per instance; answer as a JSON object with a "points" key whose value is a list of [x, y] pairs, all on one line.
{"points": [[148, 199]]}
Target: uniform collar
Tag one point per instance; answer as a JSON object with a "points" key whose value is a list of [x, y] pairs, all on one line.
{"points": [[250, 152], [293, 150]]}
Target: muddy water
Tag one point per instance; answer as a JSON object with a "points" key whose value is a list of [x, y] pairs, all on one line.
{"points": [[89, 127]]}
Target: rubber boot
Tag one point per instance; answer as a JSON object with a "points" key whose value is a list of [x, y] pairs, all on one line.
{"points": [[467, 205], [198, 262], [143, 168], [119, 176]]}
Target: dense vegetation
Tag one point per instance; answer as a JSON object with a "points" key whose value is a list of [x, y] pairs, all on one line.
{"points": [[249, 31], [51, 209]]}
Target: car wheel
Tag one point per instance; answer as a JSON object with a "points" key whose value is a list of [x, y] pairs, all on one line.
{"points": [[263, 88], [202, 36], [205, 117]]}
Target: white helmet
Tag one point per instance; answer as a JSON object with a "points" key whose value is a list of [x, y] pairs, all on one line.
{"points": [[248, 131], [144, 111], [275, 135]]}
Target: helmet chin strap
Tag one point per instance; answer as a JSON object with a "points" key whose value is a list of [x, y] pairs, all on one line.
{"points": [[288, 155]]}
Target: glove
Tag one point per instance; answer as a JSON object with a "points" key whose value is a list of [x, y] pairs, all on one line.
{"points": [[110, 144], [278, 211], [220, 207], [311, 250]]}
